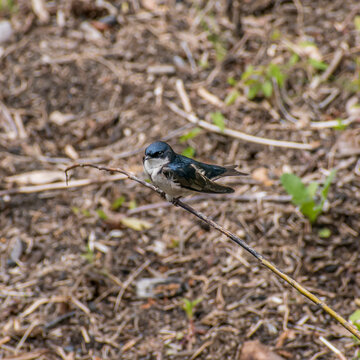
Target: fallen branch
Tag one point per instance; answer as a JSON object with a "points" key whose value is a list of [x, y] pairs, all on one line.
{"points": [[57, 185], [239, 242], [237, 134]]}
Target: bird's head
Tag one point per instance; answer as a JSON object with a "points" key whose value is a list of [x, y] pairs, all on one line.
{"points": [[159, 152]]}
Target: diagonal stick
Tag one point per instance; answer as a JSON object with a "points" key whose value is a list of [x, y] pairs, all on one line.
{"points": [[347, 325]]}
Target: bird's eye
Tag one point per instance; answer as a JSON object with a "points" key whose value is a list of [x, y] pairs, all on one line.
{"points": [[159, 153]]}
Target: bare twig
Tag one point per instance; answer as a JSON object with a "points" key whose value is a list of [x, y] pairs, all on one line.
{"points": [[58, 185], [280, 104], [210, 98], [7, 122], [351, 328], [339, 53], [237, 134], [126, 283], [180, 88], [332, 348]]}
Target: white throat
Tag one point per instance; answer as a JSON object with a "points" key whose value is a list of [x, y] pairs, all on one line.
{"points": [[153, 166]]}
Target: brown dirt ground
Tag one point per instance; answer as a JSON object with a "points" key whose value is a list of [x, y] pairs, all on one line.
{"points": [[72, 289]]}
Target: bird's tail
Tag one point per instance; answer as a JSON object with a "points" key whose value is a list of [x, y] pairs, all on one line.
{"points": [[230, 170]]}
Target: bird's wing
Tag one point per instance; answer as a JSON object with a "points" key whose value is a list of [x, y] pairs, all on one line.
{"points": [[192, 177], [213, 172]]}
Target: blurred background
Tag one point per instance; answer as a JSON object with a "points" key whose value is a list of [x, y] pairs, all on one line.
{"points": [[105, 269]]}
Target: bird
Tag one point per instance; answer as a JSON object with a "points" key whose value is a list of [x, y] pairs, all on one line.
{"points": [[177, 175]]}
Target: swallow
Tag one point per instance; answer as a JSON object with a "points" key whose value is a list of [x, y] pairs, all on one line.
{"points": [[177, 175]]}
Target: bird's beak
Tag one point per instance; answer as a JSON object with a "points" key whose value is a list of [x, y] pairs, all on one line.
{"points": [[146, 158]]}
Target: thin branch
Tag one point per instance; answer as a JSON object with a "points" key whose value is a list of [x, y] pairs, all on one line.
{"points": [[237, 134], [234, 197], [339, 53], [351, 328], [58, 185], [180, 88]]}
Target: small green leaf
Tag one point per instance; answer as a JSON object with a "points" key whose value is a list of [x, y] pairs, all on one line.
{"points": [[307, 43], [231, 97], [357, 22], [317, 64], [267, 88], [86, 212], [324, 233], [218, 119], [293, 59], [188, 306], [190, 135], [189, 152], [275, 72], [231, 81], [295, 187], [75, 210], [275, 35], [355, 318], [247, 73], [340, 125], [132, 205], [220, 51], [101, 214], [253, 90], [327, 183], [311, 188], [310, 210], [88, 255], [204, 64], [118, 202]]}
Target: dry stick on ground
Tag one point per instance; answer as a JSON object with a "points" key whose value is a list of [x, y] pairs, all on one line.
{"points": [[238, 134], [238, 241]]}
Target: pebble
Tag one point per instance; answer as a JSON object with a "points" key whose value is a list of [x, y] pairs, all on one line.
{"points": [[6, 31]]}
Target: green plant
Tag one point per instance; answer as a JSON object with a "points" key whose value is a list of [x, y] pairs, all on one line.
{"points": [[324, 233], [317, 64], [310, 199], [189, 152], [218, 119], [190, 135], [8, 5], [117, 203], [101, 214], [210, 25], [259, 81], [231, 97], [89, 255], [355, 319], [357, 22], [189, 306]]}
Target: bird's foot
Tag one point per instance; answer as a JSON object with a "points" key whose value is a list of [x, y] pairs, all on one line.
{"points": [[173, 200]]}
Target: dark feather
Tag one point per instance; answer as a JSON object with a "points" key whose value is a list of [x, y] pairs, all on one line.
{"points": [[212, 172], [192, 177]]}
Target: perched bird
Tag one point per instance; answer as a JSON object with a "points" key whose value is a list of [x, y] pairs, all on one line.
{"points": [[178, 175]]}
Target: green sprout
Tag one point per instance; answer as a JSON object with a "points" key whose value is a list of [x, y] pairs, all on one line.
{"points": [[117, 203], [189, 152], [218, 119], [189, 306], [190, 135], [259, 81], [310, 199], [88, 255], [355, 319]]}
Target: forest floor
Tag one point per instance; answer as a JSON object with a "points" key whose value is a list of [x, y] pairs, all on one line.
{"points": [[86, 81]]}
